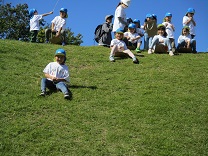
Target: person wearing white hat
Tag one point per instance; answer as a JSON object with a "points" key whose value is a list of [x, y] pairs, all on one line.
{"points": [[120, 15]]}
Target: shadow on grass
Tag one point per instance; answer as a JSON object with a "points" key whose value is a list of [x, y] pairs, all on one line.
{"points": [[81, 86]]}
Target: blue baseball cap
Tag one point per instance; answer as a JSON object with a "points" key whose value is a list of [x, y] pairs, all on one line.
{"points": [[149, 16], [60, 52], [136, 21], [120, 31], [132, 25], [31, 12], [65, 11], [168, 14]]}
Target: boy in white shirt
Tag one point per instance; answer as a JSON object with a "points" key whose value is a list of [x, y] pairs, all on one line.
{"points": [[56, 74], [35, 24], [58, 25]]}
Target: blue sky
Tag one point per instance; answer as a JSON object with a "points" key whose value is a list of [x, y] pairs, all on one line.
{"points": [[85, 15]]}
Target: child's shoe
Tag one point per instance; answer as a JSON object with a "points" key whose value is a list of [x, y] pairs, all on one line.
{"points": [[135, 60], [66, 96], [63, 44], [138, 50], [42, 94], [111, 58], [171, 53], [150, 51]]}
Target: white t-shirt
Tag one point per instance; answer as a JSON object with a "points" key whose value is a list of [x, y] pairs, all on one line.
{"points": [[161, 38], [190, 25], [56, 70], [34, 22], [183, 37], [58, 23], [169, 29], [132, 36], [119, 43], [119, 13]]}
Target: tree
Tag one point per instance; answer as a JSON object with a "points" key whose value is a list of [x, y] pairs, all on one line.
{"points": [[14, 22], [70, 38]]}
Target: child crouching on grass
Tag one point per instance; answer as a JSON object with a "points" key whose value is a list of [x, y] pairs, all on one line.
{"points": [[118, 46], [56, 74]]}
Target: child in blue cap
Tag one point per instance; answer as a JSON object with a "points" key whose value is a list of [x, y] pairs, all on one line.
{"points": [[56, 74], [58, 25], [188, 20], [118, 47], [35, 23]]}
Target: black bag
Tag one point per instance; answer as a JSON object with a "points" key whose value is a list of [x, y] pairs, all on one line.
{"points": [[98, 32]]}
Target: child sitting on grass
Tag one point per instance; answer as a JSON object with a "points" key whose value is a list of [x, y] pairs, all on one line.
{"points": [[185, 41], [160, 42], [56, 74], [118, 46], [132, 38]]}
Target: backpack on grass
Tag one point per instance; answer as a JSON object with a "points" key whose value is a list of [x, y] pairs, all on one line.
{"points": [[98, 32]]}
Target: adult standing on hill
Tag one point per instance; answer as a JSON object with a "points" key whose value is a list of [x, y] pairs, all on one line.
{"points": [[107, 28], [120, 16]]}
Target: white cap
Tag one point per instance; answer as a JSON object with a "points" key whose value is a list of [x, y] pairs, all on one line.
{"points": [[126, 2]]}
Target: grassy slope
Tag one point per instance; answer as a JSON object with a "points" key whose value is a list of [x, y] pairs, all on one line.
{"points": [[159, 107]]}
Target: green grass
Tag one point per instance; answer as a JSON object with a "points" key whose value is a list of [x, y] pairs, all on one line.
{"points": [[158, 107]]}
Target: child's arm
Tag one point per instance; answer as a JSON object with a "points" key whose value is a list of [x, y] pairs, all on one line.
{"points": [[54, 78], [46, 14], [50, 77], [59, 32]]}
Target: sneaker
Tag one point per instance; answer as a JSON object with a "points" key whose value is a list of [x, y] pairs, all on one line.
{"points": [[42, 94], [171, 53], [138, 50], [111, 58], [135, 60], [66, 96], [63, 44], [150, 51]]}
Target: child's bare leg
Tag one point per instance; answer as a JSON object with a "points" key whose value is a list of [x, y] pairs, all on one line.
{"points": [[129, 53], [113, 50]]}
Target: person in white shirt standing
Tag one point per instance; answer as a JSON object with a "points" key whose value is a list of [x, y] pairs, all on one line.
{"points": [[35, 23], [188, 20], [58, 25], [120, 20], [169, 29]]}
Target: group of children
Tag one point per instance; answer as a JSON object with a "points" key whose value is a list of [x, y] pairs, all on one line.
{"points": [[128, 36], [57, 29], [157, 38], [56, 73]]}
